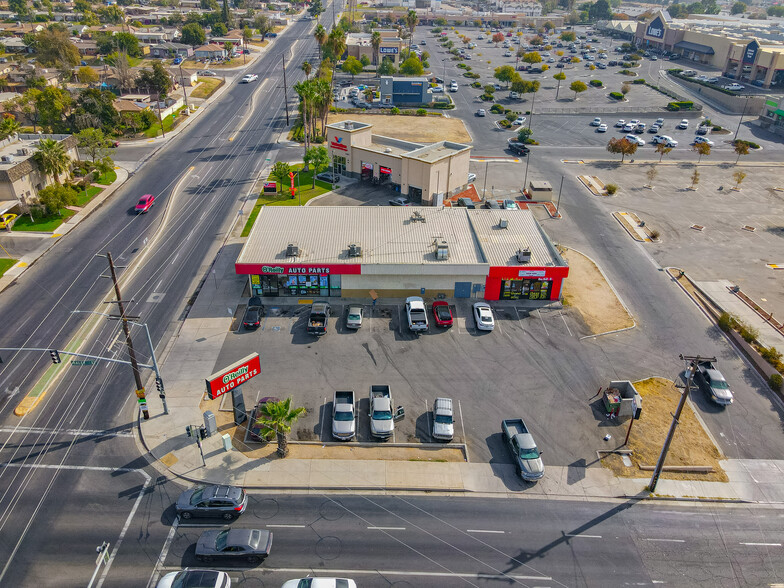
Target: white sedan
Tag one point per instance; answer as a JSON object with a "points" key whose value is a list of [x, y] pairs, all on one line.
{"points": [[248, 78], [520, 120], [705, 140], [734, 87], [635, 139], [602, 128], [596, 122], [483, 315]]}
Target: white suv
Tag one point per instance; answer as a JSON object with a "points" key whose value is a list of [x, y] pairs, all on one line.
{"points": [[667, 140], [248, 78]]}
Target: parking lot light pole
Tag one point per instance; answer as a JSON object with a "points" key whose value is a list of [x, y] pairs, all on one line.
{"points": [[558, 205], [740, 122], [527, 161]]}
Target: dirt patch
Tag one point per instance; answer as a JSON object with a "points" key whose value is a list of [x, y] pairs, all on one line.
{"points": [[589, 293], [206, 87], [691, 445], [419, 129]]}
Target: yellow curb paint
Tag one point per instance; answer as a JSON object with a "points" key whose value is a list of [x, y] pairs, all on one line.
{"points": [[21, 264]]}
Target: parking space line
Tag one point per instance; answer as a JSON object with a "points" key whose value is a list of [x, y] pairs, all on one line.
{"points": [[462, 427], [539, 314], [323, 418], [429, 420], [387, 528], [564, 321]]}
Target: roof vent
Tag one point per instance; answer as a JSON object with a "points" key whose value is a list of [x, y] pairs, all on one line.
{"points": [[503, 223], [7, 158], [292, 250], [355, 250], [388, 150], [416, 216], [442, 249], [524, 255], [23, 151], [348, 125]]}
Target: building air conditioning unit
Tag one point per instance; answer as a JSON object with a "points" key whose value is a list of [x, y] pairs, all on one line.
{"points": [[355, 250], [524, 255], [7, 158], [503, 223], [442, 249], [23, 151], [292, 250], [416, 217]]}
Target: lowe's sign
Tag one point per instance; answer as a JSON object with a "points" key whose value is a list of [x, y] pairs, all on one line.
{"points": [[388, 50], [750, 53], [655, 29]]}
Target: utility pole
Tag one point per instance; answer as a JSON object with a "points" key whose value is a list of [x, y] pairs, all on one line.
{"points": [[740, 122], [285, 90], [128, 341], [160, 120], [558, 206], [694, 361], [527, 161], [531, 116], [184, 93]]}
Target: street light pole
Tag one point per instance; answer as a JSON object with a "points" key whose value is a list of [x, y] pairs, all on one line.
{"points": [[285, 90], [527, 161], [531, 116], [558, 206], [740, 122], [484, 187], [184, 93]]}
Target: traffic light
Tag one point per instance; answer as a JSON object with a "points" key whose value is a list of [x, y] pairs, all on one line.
{"points": [[203, 432], [159, 386], [188, 431], [55, 355]]}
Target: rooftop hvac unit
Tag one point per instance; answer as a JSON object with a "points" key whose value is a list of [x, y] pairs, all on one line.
{"points": [[524, 255], [355, 250], [442, 250], [292, 250], [416, 216], [23, 151], [7, 158], [503, 223]]}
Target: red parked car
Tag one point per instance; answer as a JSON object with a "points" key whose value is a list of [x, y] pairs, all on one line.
{"points": [[442, 313], [145, 204]]}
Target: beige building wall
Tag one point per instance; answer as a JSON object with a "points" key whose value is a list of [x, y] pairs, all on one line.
{"points": [[441, 176], [409, 284], [721, 45]]}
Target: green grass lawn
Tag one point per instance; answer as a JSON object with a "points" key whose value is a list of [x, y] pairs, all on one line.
{"points": [[283, 198], [168, 123], [108, 178], [6, 264], [85, 196], [46, 224]]}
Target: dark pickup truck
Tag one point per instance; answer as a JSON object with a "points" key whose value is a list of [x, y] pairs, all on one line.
{"points": [[319, 315], [518, 148]]}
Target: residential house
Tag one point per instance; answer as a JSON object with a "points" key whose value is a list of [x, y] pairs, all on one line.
{"points": [[184, 77], [86, 48], [168, 50], [210, 51], [122, 106], [156, 35], [15, 45]]}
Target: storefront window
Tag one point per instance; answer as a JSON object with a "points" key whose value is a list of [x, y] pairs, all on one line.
{"points": [[339, 164], [334, 285], [526, 289], [311, 286]]}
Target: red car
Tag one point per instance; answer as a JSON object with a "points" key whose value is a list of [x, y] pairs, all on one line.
{"points": [[442, 313], [145, 204]]}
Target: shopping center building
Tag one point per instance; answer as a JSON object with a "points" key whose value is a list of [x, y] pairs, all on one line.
{"points": [[393, 252], [426, 173]]}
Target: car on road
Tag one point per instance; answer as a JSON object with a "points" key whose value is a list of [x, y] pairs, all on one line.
{"points": [[602, 128], [471, 177], [354, 317], [177, 61], [248, 78], [684, 124], [6, 220], [497, 86], [253, 313], [713, 80], [518, 148], [321, 582], [520, 120], [227, 502], [483, 315], [253, 545], [705, 140], [510, 205], [734, 87], [601, 66], [620, 124], [328, 177], [400, 201], [453, 86], [207, 73], [654, 129], [596, 122], [635, 139], [189, 578], [481, 112], [664, 139], [437, 89], [492, 204], [145, 204], [442, 313]]}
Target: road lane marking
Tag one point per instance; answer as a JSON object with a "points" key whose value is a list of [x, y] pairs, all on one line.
{"points": [[72, 432], [667, 540], [387, 528], [763, 544], [287, 526], [484, 531], [584, 536], [156, 572]]}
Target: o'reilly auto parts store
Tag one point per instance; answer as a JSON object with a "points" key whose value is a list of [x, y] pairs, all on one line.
{"points": [[334, 251]]}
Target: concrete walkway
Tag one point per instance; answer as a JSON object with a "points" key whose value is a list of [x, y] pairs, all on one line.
{"points": [[719, 293], [191, 354]]}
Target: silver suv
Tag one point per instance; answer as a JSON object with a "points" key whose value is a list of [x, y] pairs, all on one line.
{"points": [[227, 502]]}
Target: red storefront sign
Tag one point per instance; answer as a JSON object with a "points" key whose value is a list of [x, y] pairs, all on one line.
{"points": [[232, 376], [321, 269], [337, 143], [498, 274]]}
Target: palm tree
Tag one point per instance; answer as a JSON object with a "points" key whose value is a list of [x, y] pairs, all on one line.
{"points": [[8, 126], [52, 158], [307, 68], [375, 41], [336, 43], [279, 416], [411, 22], [321, 37]]}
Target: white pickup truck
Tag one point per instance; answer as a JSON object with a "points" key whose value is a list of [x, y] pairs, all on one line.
{"points": [[417, 314], [382, 424], [343, 415]]}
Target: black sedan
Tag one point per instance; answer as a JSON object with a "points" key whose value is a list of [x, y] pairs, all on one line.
{"points": [[252, 545], [328, 177], [253, 314]]}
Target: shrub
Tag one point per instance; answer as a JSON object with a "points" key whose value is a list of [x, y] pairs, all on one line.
{"points": [[472, 76], [421, 112], [596, 83], [655, 234], [487, 97], [771, 355], [497, 109], [716, 128], [775, 382], [748, 332], [638, 81], [616, 95], [462, 66], [627, 72], [680, 105], [611, 188], [476, 85], [510, 116], [725, 322], [751, 144], [395, 110], [505, 123]]}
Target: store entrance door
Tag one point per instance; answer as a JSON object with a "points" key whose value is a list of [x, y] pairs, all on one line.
{"points": [[415, 194]]}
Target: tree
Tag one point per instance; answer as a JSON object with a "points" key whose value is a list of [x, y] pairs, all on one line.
{"points": [[125, 74], [54, 49], [52, 158], [577, 86], [600, 10], [411, 22], [498, 38], [651, 173], [625, 88], [93, 142], [19, 7], [364, 60], [702, 149], [622, 146], [387, 67], [560, 76], [741, 148], [375, 42], [279, 417], [219, 29], [226, 14], [53, 105], [56, 197], [524, 134], [335, 46], [662, 149], [112, 14], [128, 43], [536, 41], [505, 73], [549, 25], [352, 66], [321, 37], [209, 5], [315, 8], [567, 36], [307, 68], [738, 8], [86, 75], [695, 178], [280, 171], [193, 34], [317, 159], [738, 176], [156, 80], [263, 25], [228, 47], [532, 57], [8, 126], [412, 67]]}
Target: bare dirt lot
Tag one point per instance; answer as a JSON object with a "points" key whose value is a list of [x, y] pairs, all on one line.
{"points": [[691, 445], [587, 291], [420, 129]]}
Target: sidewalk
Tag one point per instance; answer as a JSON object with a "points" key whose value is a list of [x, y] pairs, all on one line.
{"points": [[49, 240], [191, 356]]}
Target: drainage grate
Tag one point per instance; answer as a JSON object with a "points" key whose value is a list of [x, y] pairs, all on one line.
{"points": [[697, 228], [749, 228]]}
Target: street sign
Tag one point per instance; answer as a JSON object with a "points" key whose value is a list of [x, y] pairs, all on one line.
{"points": [[82, 362]]}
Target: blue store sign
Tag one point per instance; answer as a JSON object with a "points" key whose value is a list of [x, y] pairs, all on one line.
{"points": [[388, 50], [655, 29], [750, 53]]}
